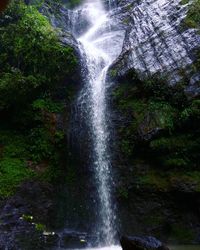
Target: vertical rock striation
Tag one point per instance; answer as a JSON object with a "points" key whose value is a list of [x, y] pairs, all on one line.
{"points": [[155, 39]]}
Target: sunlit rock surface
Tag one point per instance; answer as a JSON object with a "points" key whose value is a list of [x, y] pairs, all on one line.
{"points": [[155, 41]]}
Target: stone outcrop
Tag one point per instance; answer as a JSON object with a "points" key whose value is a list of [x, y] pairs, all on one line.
{"points": [[141, 243], [156, 42], [23, 218]]}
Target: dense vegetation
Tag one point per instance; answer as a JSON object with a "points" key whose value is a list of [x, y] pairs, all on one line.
{"points": [[158, 155], [162, 124], [32, 72], [162, 129], [193, 19]]}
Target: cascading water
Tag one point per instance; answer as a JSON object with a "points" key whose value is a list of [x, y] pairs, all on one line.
{"points": [[100, 46]]}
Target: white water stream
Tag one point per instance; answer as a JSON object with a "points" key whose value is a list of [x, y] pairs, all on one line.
{"points": [[100, 46]]}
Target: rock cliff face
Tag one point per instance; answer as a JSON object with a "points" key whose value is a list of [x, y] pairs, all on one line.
{"points": [[155, 40]]}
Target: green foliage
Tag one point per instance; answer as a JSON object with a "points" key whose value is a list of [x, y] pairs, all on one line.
{"points": [[13, 166], [184, 2], [122, 192], [13, 145], [150, 96], [32, 59], [145, 106], [192, 111], [173, 143], [126, 146], [175, 162], [33, 66], [177, 151], [41, 148], [113, 73], [17, 150], [40, 227], [28, 218], [14, 88], [180, 233], [164, 114], [154, 180], [47, 105], [12, 173], [150, 104], [52, 174], [169, 180], [44, 146], [156, 88], [192, 19]]}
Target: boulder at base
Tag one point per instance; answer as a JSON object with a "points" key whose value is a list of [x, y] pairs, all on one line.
{"points": [[141, 243]]}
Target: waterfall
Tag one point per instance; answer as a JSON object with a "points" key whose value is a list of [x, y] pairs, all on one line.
{"points": [[99, 45]]}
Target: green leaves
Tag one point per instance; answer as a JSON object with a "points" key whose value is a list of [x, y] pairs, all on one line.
{"points": [[32, 58], [192, 19], [12, 172], [47, 105], [15, 88], [33, 66]]}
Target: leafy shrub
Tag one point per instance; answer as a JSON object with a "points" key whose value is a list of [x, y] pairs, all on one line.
{"points": [[33, 65], [192, 19], [32, 58], [12, 173]]}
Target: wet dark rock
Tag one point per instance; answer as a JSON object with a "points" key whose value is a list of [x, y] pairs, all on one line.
{"points": [[73, 240], [141, 243], [59, 17], [76, 240], [31, 206], [51, 239]]}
